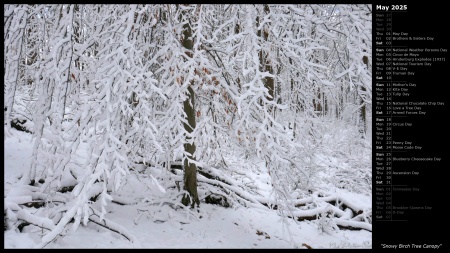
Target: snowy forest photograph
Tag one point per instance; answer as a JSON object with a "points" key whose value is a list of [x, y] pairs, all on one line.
{"points": [[188, 126]]}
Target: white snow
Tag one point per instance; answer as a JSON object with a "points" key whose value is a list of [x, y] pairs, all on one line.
{"points": [[210, 226]]}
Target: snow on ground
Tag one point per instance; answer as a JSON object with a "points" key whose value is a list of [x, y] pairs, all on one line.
{"points": [[17, 155], [155, 226]]}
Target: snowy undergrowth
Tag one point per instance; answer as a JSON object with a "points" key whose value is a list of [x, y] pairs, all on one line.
{"points": [[347, 159], [147, 208]]}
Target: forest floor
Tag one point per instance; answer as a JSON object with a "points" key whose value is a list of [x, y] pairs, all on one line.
{"points": [[153, 220]]}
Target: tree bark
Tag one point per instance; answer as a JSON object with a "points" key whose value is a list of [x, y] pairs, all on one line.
{"points": [[265, 64], [190, 169], [365, 60]]}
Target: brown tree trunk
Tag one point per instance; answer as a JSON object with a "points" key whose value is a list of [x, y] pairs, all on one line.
{"points": [[190, 169], [264, 63], [365, 60]]}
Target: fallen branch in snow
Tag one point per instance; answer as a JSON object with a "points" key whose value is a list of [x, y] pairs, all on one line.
{"points": [[123, 201], [307, 246], [312, 214], [343, 218], [236, 190], [346, 214], [106, 223], [364, 216], [19, 200], [341, 222], [334, 200], [352, 225], [35, 204], [228, 187], [28, 219], [117, 202]]}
